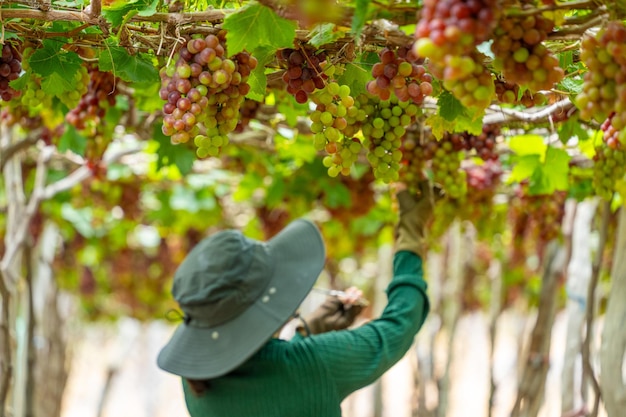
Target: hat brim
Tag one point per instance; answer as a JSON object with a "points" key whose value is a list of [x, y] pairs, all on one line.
{"points": [[298, 256]]}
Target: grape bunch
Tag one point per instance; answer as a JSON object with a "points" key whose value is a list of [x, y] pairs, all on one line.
{"points": [[609, 160], [467, 78], [413, 163], [10, 69], [510, 93], [521, 55], [402, 73], [203, 92], [604, 85], [484, 144], [304, 73], [101, 94], [329, 124], [248, 111], [453, 27], [446, 166], [543, 214], [383, 131]]}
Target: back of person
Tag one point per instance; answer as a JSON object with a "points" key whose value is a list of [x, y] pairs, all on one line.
{"points": [[281, 380]]}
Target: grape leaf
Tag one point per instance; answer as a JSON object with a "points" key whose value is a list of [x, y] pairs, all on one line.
{"points": [[258, 79], [360, 16], [57, 84], [571, 85], [358, 73], [256, 25], [116, 14], [449, 107], [570, 129], [20, 83], [51, 59], [324, 34], [132, 68], [528, 145], [169, 153], [556, 169], [439, 126], [72, 141], [524, 168]]}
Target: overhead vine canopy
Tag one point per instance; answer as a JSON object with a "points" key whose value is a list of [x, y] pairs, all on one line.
{"points": [[470, 94]]}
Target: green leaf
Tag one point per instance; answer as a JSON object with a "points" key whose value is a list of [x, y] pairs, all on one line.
{"points": [[256, 25], [21, 83], [57, 84], [358, 73], [72, 141], [524, 168], [570, 129], [545, 177], [169, 153], [51, 59], [258, 79], [132, 68], [275, 192], [116, 14], [325, 33], [528, 145], [449, 107], [360, 16], [572, 85], [556, 169], [336, 195]]}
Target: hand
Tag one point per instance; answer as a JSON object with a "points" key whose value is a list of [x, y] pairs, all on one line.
{"points": [[336, 313], [415, 210]]}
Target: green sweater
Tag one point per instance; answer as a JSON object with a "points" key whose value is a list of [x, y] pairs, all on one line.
{"points": [[310, 376]]}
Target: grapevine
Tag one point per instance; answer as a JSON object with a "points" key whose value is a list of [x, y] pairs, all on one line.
{"points": [[204, 90]]}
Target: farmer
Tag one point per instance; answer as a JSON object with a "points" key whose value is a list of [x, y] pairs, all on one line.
{"points": [[236, 294]]}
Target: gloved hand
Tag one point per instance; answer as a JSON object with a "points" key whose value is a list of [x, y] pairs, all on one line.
{"points": [[415, 210], [336, 313]]}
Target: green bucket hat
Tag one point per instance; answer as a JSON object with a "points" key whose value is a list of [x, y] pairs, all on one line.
{"points": [[235, 293]]}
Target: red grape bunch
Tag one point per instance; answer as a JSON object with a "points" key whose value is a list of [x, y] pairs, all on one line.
{"points": [[101, 94], [604, 85], [10, 69], [484, 144], [521, 55], [453, 27], [609, 161], [402, 73], [248, 111], [203, 90], [304, 73]]}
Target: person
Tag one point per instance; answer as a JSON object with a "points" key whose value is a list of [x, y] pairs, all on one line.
{"points": [[236, 293]]}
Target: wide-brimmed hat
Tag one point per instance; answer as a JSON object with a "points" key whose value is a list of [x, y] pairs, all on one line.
{"points": [[235, 293]]}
